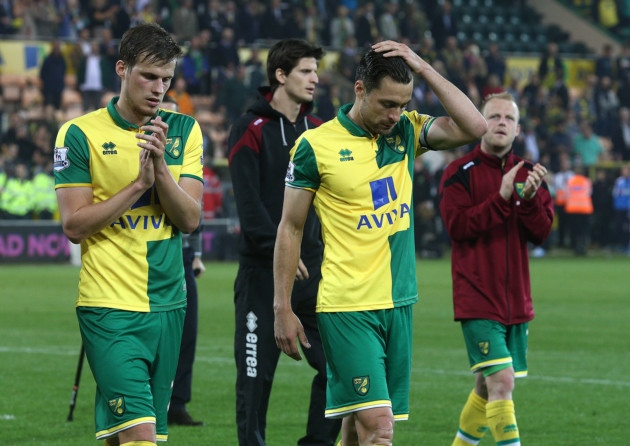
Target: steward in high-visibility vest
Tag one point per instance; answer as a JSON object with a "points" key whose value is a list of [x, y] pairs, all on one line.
{"points": [[16, 201], [578, 209], [578, 195], [44, 196]]}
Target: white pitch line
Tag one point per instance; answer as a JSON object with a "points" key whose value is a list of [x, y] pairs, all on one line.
{"points": [[66, 351], [567, 380]]}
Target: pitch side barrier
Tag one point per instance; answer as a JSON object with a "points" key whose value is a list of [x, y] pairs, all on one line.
{"points": [[35, 241]]}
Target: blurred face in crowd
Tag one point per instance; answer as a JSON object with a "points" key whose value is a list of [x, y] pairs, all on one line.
{"points": [[502, 116]]}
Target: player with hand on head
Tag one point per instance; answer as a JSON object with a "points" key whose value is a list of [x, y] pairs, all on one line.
{"points": [[357, 171], [494, 204], [128, 179]]}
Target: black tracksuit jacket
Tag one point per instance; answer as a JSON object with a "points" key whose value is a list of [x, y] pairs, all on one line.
{"points": [[258, 157]]}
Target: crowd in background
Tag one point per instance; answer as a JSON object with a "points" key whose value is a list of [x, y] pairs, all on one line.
{"points": [[567, 129]]}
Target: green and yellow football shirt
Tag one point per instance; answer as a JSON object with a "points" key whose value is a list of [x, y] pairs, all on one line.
{"points": [[363, 197], [135, 263]]}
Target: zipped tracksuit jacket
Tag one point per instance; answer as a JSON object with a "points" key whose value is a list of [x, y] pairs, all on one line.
{"points": [[489, 236]]}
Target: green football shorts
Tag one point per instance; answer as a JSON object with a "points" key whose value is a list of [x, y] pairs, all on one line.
{"points": [[493, 346], [369, 360], [133, 357]]}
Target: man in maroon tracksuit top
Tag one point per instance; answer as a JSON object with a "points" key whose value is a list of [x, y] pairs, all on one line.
{"points": [[259, 145], [493, 203]]}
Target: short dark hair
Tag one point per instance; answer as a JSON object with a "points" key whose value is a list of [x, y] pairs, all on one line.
{"points": [[148, 42], [286, 54], [374, 66]]}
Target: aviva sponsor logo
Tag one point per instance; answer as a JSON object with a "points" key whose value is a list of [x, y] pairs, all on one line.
{"points": [[109, 148], [143, 222], [345, 155], [383, 193]]}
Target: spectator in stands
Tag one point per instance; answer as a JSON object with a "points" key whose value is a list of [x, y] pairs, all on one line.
{"points": [[620, 136], [452, 56], [602, 227], [195, 68], [274, 21], [606, 106], [444, 24], [621, 202], [349, 58], [587, 147], [16, 201], [495, 61], [475, 65], [314, 25], [623, 61], [428, 50], [7, 27], [366, 30], [560, 181], [212, 17], [623, 91], [46, 19], [414, 22], [121, 20], [95, 75], [233, 95], [226, 52], [549, 65], [606, 63], [52, 75], [607, 15], [388, 21], [560, 89], [249, 21], [341, 27], [101, 13], [185, 23], [492, 86], [181, 97], [23, 19]]}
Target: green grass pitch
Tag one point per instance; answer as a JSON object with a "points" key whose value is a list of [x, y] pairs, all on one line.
{"points": [[577, 391]]}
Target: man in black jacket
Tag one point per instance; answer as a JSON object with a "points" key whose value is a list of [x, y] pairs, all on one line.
{"points": [[259, 145]]}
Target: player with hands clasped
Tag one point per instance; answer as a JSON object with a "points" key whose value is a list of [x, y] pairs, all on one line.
{"points": [[493, 204], [128, 179], [357, 170]]}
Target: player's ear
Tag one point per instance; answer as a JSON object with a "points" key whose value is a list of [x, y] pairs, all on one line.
{"points": [[281, 76], [359, 89]]}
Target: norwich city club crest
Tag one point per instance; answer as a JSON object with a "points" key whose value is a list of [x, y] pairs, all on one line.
{"points": [[173, 147], [519, 187], [361, 385], [117, 405], [484, 347]]}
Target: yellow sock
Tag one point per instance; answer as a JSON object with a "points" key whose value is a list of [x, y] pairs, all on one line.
{"points": [[138, 443], [472, 421], [502, 422]]}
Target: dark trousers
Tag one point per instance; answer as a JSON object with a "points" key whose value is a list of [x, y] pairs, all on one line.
{"points": [[257, 355], [182, 384], [579, 229]]}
